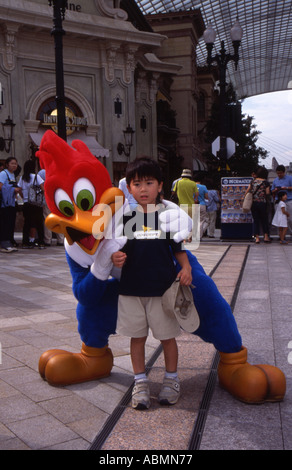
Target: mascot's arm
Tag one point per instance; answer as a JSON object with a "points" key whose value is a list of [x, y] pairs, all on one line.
{"points": [[217, 323], [87, 289], [91, 284]]}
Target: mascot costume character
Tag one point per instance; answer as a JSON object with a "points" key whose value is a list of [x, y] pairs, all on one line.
{"points": [[84, 207]]}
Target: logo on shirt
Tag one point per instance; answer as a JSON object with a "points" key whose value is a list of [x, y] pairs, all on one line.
{"points": [[147, 233]]}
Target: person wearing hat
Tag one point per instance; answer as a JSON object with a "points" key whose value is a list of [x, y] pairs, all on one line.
{"points": [[187, 192]]}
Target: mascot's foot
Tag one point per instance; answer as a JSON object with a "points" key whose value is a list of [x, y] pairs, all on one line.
{"points": [[61, 367], [250, 383]]}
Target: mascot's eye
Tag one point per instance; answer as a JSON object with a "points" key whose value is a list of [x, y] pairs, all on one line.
{"points": [[84, 194], [64, 203]]}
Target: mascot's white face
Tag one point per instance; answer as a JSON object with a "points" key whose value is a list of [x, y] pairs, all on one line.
{"points": [[85, 259]]}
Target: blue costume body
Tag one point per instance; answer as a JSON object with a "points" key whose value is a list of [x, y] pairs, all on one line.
{"points": [[97, 308]]}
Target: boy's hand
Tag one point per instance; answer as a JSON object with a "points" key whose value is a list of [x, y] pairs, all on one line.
{"points": [[185, 276], [118, 258]]}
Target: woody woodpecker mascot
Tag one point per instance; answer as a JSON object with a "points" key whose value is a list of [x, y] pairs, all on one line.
{"points": [[84, 207]]}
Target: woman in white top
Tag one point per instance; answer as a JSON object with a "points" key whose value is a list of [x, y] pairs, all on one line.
{"points": [[33, 215]]}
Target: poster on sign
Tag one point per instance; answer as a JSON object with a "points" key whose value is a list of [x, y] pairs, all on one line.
{"points": [[235, 224]]}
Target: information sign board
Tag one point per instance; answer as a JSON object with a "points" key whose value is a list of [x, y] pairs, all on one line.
{"points": [[235, 224]]}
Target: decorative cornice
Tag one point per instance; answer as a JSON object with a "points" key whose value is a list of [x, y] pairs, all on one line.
{"points": [[109, 62], [108, 24], [147, 84], [104, 9], [129, 63], [10, 44]]}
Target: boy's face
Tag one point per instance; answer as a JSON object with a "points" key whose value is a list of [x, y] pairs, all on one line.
{"points": [[145, 191]]}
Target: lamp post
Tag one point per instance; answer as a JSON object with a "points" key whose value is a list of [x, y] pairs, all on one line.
{"points": [[59, 7], [222, 61], [128, 138], [6, 141]]}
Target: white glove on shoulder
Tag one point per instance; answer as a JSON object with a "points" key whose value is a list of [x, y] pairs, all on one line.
{"points": [[113, 241], [175, 220]]}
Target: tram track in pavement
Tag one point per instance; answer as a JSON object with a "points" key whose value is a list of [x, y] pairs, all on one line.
{"points": [[110, 437]]}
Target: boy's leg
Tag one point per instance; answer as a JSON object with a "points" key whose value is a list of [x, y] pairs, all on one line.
{"points": [[137, 348], [170, 354], [170, 391], [140, 393]]}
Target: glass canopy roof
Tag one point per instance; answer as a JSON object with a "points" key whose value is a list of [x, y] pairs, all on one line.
{"points": [[266, 50]]}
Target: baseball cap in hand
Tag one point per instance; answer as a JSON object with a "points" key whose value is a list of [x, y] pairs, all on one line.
{"points": [[178, 300]]}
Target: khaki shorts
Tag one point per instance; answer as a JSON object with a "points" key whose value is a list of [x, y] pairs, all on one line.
{"points": [[137, 314]]}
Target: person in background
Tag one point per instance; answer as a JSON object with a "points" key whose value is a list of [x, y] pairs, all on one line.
{"points": [[174, 183], [283, 182], [260, 189], [203, 197], [187, 193], [9, 190], [281, 216], [48, 235], [186, 190], [33, 215], [212, 205]]}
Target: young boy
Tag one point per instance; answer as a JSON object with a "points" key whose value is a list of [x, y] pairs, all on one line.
{"points": [[148, 270]]}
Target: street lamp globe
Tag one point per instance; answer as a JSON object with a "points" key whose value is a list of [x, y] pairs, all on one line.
{"points": [[209, 34], [236, 32]]}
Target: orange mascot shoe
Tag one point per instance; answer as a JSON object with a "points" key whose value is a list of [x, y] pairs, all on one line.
{"points": [[60, 367], [251, 384], [45, 357]]}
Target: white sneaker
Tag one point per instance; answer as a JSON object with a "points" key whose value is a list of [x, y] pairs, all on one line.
{"points": [[170, 392], [141, 395]]}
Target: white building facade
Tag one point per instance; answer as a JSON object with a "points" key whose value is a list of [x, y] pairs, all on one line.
{"points": [[111, 76]]}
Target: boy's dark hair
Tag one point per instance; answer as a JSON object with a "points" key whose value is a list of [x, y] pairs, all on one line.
{"points": [[143, 167]]}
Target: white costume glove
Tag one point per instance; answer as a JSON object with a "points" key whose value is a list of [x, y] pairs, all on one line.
{"points": [[175, 220], [113, 241], [102, 266]]}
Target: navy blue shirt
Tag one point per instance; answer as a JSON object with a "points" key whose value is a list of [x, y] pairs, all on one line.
{"points": [[149, 269]]}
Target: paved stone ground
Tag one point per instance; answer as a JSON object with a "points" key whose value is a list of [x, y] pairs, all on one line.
{"points": [[38, 313], [263, 312]]}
